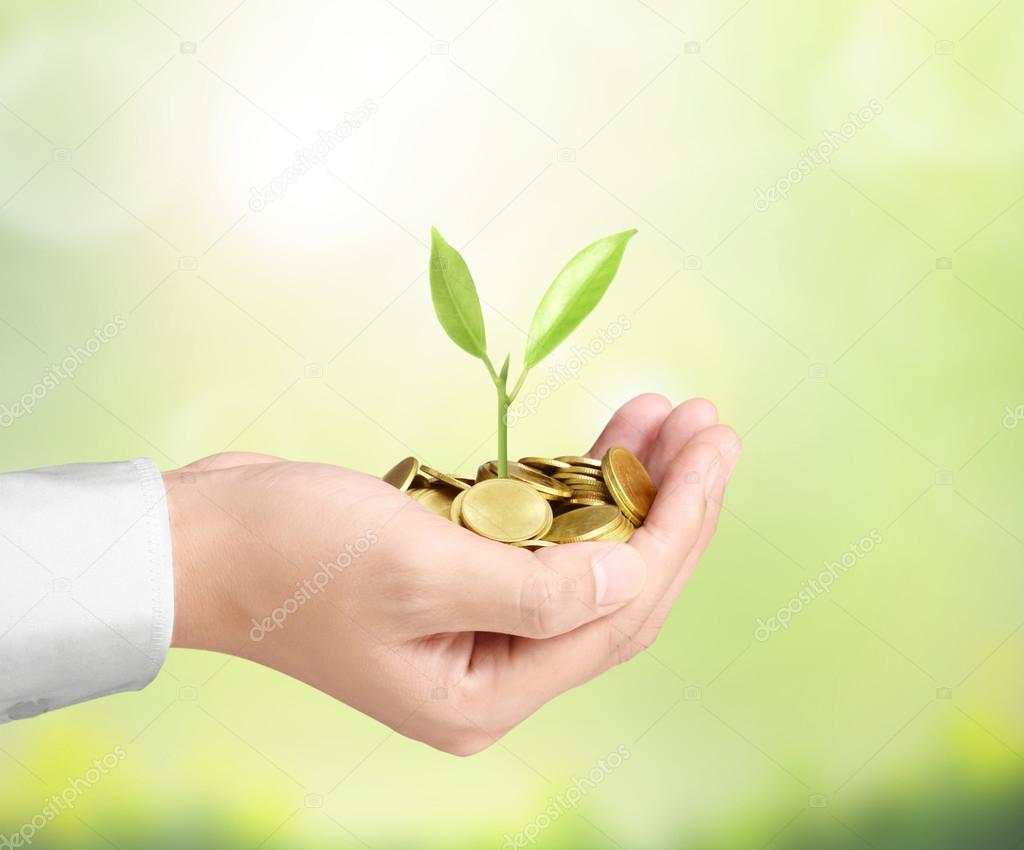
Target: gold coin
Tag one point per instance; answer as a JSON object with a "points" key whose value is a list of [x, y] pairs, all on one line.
{"points": [[606, 498], [633, 518], [583, 490], [628, 530], [402, 473], [575, 478], [417, 493], [622, 531], [580, 470], [436, 499], [506, 510], [629, 483], [584, 493], [572, 460], [544, 464], [544, 502], [455, 514], [548, 520], [544, 484], [589, 486], [581, 524], [586, 500], [450, 480]]}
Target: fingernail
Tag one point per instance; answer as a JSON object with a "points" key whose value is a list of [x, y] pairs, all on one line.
{"points": [[619, 574]]}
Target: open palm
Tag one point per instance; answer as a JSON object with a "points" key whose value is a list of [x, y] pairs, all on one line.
{"points": [[339, 580]]}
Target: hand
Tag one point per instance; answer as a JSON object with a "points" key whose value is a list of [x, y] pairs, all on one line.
{"points": [[339, 580]]}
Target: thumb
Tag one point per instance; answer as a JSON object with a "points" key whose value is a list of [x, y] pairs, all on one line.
{"points": [[550, 592]]}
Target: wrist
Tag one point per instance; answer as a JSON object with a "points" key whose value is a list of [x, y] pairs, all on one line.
{"points": [[223, 579], [190, 538]]}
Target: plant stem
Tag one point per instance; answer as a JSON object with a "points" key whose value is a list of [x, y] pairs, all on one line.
{"points": [[502, 431], [519, 384], [505, 398], [500, 384], [490, 368]]}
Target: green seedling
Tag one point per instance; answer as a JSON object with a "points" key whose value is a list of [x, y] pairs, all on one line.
{"points": [[575, 291]]}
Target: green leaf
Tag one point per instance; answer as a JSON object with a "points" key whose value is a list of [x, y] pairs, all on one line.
{"points": [[573, 294], [503, 374], [455, 300]]}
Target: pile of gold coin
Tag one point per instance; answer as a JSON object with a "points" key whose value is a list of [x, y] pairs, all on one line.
{"points": [[542, 502]]}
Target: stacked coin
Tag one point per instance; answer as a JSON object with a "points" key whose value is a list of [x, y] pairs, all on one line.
{"points": [[542, 502]]}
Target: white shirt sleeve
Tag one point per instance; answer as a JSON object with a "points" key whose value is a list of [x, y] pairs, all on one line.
{"points": [[86, 583]]}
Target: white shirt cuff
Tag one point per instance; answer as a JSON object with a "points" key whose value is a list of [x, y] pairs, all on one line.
{"points": [[86, 583]]}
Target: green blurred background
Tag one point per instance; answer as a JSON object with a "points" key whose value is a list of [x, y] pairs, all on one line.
{"points": [[864, 334]]}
